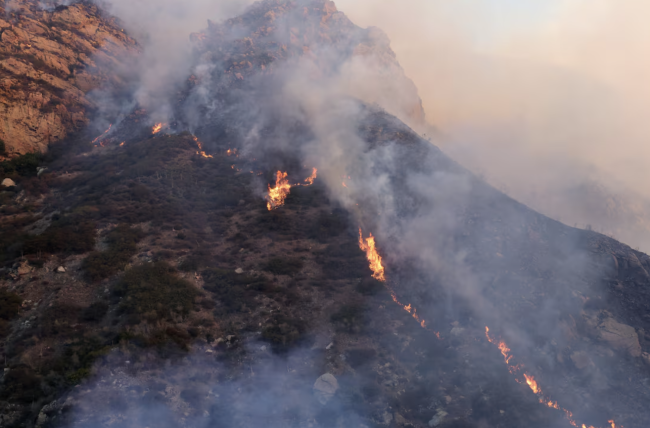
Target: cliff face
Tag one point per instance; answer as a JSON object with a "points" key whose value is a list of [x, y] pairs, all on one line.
{"points": [[50, 58]]}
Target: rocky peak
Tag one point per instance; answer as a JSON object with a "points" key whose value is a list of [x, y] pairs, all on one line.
{"points": [[273, 31], [50, 58]]}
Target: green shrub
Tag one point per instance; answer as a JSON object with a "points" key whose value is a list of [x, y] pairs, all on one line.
{"points": [[350, 318], [154, 289], [24, 165], [67, 235], [95, 312], [284, 266], [21, 385], [328, 225], [122, 245], [232, 290], [369, 286], [284, 332], [60, 319], [10, 305]]}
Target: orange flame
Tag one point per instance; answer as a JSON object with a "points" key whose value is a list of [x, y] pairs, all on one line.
{"points": [[279, 193], [310, 180], [373, 257], [532, 383], [157, 128], [231, 152], [530, 380], [122, 143], [200, 151], [105, 132], [345, 185]]}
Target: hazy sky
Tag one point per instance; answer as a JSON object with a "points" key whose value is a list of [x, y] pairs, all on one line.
{"points": [[537, 95]]}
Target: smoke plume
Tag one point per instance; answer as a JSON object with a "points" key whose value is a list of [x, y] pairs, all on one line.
{"points": [[545, 101]]}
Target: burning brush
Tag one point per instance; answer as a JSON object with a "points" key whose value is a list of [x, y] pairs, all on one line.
{"points": [[532, 383], [277, 195]]}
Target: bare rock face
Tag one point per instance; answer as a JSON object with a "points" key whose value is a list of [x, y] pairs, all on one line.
{"points": [[50, 58], [620, 336]]}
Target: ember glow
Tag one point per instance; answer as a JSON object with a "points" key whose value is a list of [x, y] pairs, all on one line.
{"points": [[532, 383], [279, 193], [103, 135], [373, 256], [157, 128]]}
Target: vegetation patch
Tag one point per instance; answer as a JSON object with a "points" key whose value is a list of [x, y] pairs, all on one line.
{"points": [[21, 166], [69, 234], [10, 304], [350, 318], [284, 266], [122, 245], [234, 291], [154, 292], [284, 332]]}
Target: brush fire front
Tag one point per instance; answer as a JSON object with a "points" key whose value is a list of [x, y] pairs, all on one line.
{"points": [[278, 193]]}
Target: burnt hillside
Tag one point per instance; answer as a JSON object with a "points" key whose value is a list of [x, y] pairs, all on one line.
{"points": [[145, 282]]}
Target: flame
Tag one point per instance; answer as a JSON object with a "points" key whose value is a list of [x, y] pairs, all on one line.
{"points": [[378, 273], [200, 151], [532, 383], [310, 180], [122, 143], [279, 193], [373, 257], [345, 185], [157, 128], [105, 132], [530, 380], [231, 152]]}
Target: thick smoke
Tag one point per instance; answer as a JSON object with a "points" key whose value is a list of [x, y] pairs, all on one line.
{"points": [[162, 28], [549, 108]]}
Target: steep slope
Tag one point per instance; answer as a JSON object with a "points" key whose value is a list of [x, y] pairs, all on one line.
{"points": [[50, 58], [153, 275]]}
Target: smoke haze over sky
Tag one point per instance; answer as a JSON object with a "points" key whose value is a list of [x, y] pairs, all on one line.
{"points": [[543, 98]]}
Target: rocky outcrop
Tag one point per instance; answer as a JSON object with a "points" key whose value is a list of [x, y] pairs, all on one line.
{"points": [[620, 336], [50, 58], [272, 32]]}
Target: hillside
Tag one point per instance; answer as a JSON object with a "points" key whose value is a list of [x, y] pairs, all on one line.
{"points": [[147, 280]]}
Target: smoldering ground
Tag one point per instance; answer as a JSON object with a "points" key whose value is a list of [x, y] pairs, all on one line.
{"points": [[464, 255]]}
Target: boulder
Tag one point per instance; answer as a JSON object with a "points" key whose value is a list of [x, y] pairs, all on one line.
{"points": [[325, 387], [239, 271], [24, 268], [581, 360], [60, 269], [437, 419], [8, 182], [620, 336]]}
